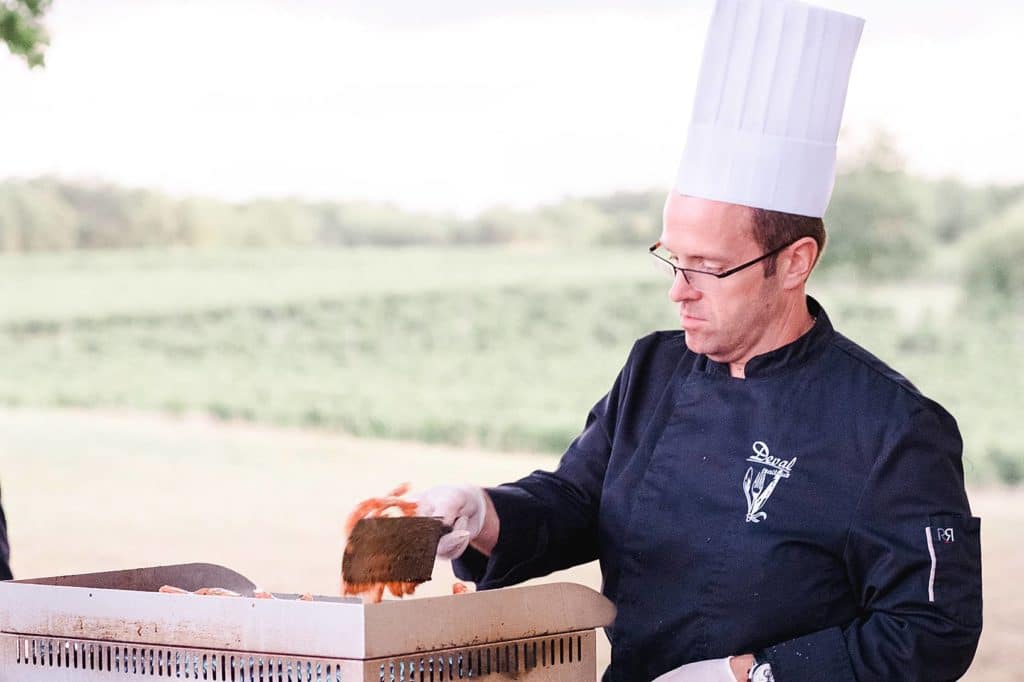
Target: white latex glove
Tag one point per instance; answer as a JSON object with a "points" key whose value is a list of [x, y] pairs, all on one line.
{"points": [[463, 507], [714, 670]]}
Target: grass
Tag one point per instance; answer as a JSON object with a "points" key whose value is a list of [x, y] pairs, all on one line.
{"points": [[94, 285], [501, 348]]}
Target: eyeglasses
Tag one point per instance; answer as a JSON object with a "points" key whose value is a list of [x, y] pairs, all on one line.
{"points": [[702, 280]]}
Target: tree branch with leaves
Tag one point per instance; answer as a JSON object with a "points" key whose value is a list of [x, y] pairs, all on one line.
{"points": [[22, 29]]}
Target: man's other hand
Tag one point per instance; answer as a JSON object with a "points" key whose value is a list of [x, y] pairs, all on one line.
{"points": [[732, 669]]}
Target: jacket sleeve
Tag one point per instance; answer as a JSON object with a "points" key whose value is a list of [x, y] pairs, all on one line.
{"points": [[913, 558], [5, 553], [548, 520]]}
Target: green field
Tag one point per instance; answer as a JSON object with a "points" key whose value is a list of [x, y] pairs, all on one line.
{"points": [[500, 347]]}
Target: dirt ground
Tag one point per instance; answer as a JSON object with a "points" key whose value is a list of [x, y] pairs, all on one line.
{"points": [[88, 491]]}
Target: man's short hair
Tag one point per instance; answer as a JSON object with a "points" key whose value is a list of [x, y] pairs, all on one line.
{"points": [[773, 229]]}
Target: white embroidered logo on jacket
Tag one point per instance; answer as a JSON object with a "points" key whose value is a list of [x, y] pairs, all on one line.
{"points": [[758, 489]]}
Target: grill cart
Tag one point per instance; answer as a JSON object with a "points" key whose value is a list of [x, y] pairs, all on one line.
{"points": [[117, 626]]}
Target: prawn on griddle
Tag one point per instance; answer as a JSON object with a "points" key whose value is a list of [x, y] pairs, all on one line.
{"points": [[376, 507]]}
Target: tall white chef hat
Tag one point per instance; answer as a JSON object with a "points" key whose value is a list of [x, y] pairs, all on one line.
{"points": [[769, 102]]}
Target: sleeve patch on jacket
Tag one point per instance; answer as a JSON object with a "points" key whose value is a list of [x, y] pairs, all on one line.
{"points": [[954, 579]]}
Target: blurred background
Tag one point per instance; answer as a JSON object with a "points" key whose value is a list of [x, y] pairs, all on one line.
{"points": [[260, 260]]}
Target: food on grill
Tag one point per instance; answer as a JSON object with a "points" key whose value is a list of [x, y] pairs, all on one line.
{"points": [[376, 590], [391, 505], [171, 589], [373, 508], [202, 591], [376, 507], [221, 592], [401, 589], [216, 592]]}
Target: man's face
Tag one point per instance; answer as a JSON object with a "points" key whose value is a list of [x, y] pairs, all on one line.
{"points": [[728, 320]]}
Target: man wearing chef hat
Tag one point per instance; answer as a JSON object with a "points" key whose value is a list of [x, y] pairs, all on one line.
{"points": [[766, 498]]}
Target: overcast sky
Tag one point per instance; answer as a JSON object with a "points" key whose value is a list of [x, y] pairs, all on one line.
{"points": [[463, 104]]}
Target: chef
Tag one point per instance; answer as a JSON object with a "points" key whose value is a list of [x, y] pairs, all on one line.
{"points": [[767, 499]]}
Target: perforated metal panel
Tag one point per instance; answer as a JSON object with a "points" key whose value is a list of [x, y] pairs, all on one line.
{"points": [[568, 657], [565, 657], [57, 660]]}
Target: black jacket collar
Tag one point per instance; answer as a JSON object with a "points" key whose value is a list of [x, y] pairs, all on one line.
{"points": [[786, 357]]}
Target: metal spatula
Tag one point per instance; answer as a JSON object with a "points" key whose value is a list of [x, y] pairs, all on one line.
{"points": [[384, 550]]}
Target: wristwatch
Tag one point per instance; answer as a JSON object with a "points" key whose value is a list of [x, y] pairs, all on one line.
{"points": [[761, 671]]}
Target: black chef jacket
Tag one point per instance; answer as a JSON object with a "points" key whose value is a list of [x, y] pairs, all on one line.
{"points": [[813, 512], [5, 554]]}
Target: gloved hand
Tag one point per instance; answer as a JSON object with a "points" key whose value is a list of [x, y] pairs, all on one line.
{"points": [[713, 670], [463, 507]]}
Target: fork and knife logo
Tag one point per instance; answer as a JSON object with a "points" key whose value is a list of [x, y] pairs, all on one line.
{"points": [[758, 488]]}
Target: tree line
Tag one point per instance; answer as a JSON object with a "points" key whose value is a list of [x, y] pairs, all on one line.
{"points": [[882, 222]]}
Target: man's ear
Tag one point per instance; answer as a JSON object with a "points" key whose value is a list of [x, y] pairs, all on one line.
{"points": [[799, 262]]}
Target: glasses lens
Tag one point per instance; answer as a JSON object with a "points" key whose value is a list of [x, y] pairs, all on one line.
{"points": [[663, 266], [702, 281]]}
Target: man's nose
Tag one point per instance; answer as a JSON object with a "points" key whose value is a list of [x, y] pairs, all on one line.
{"points": [[682, 290]]}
